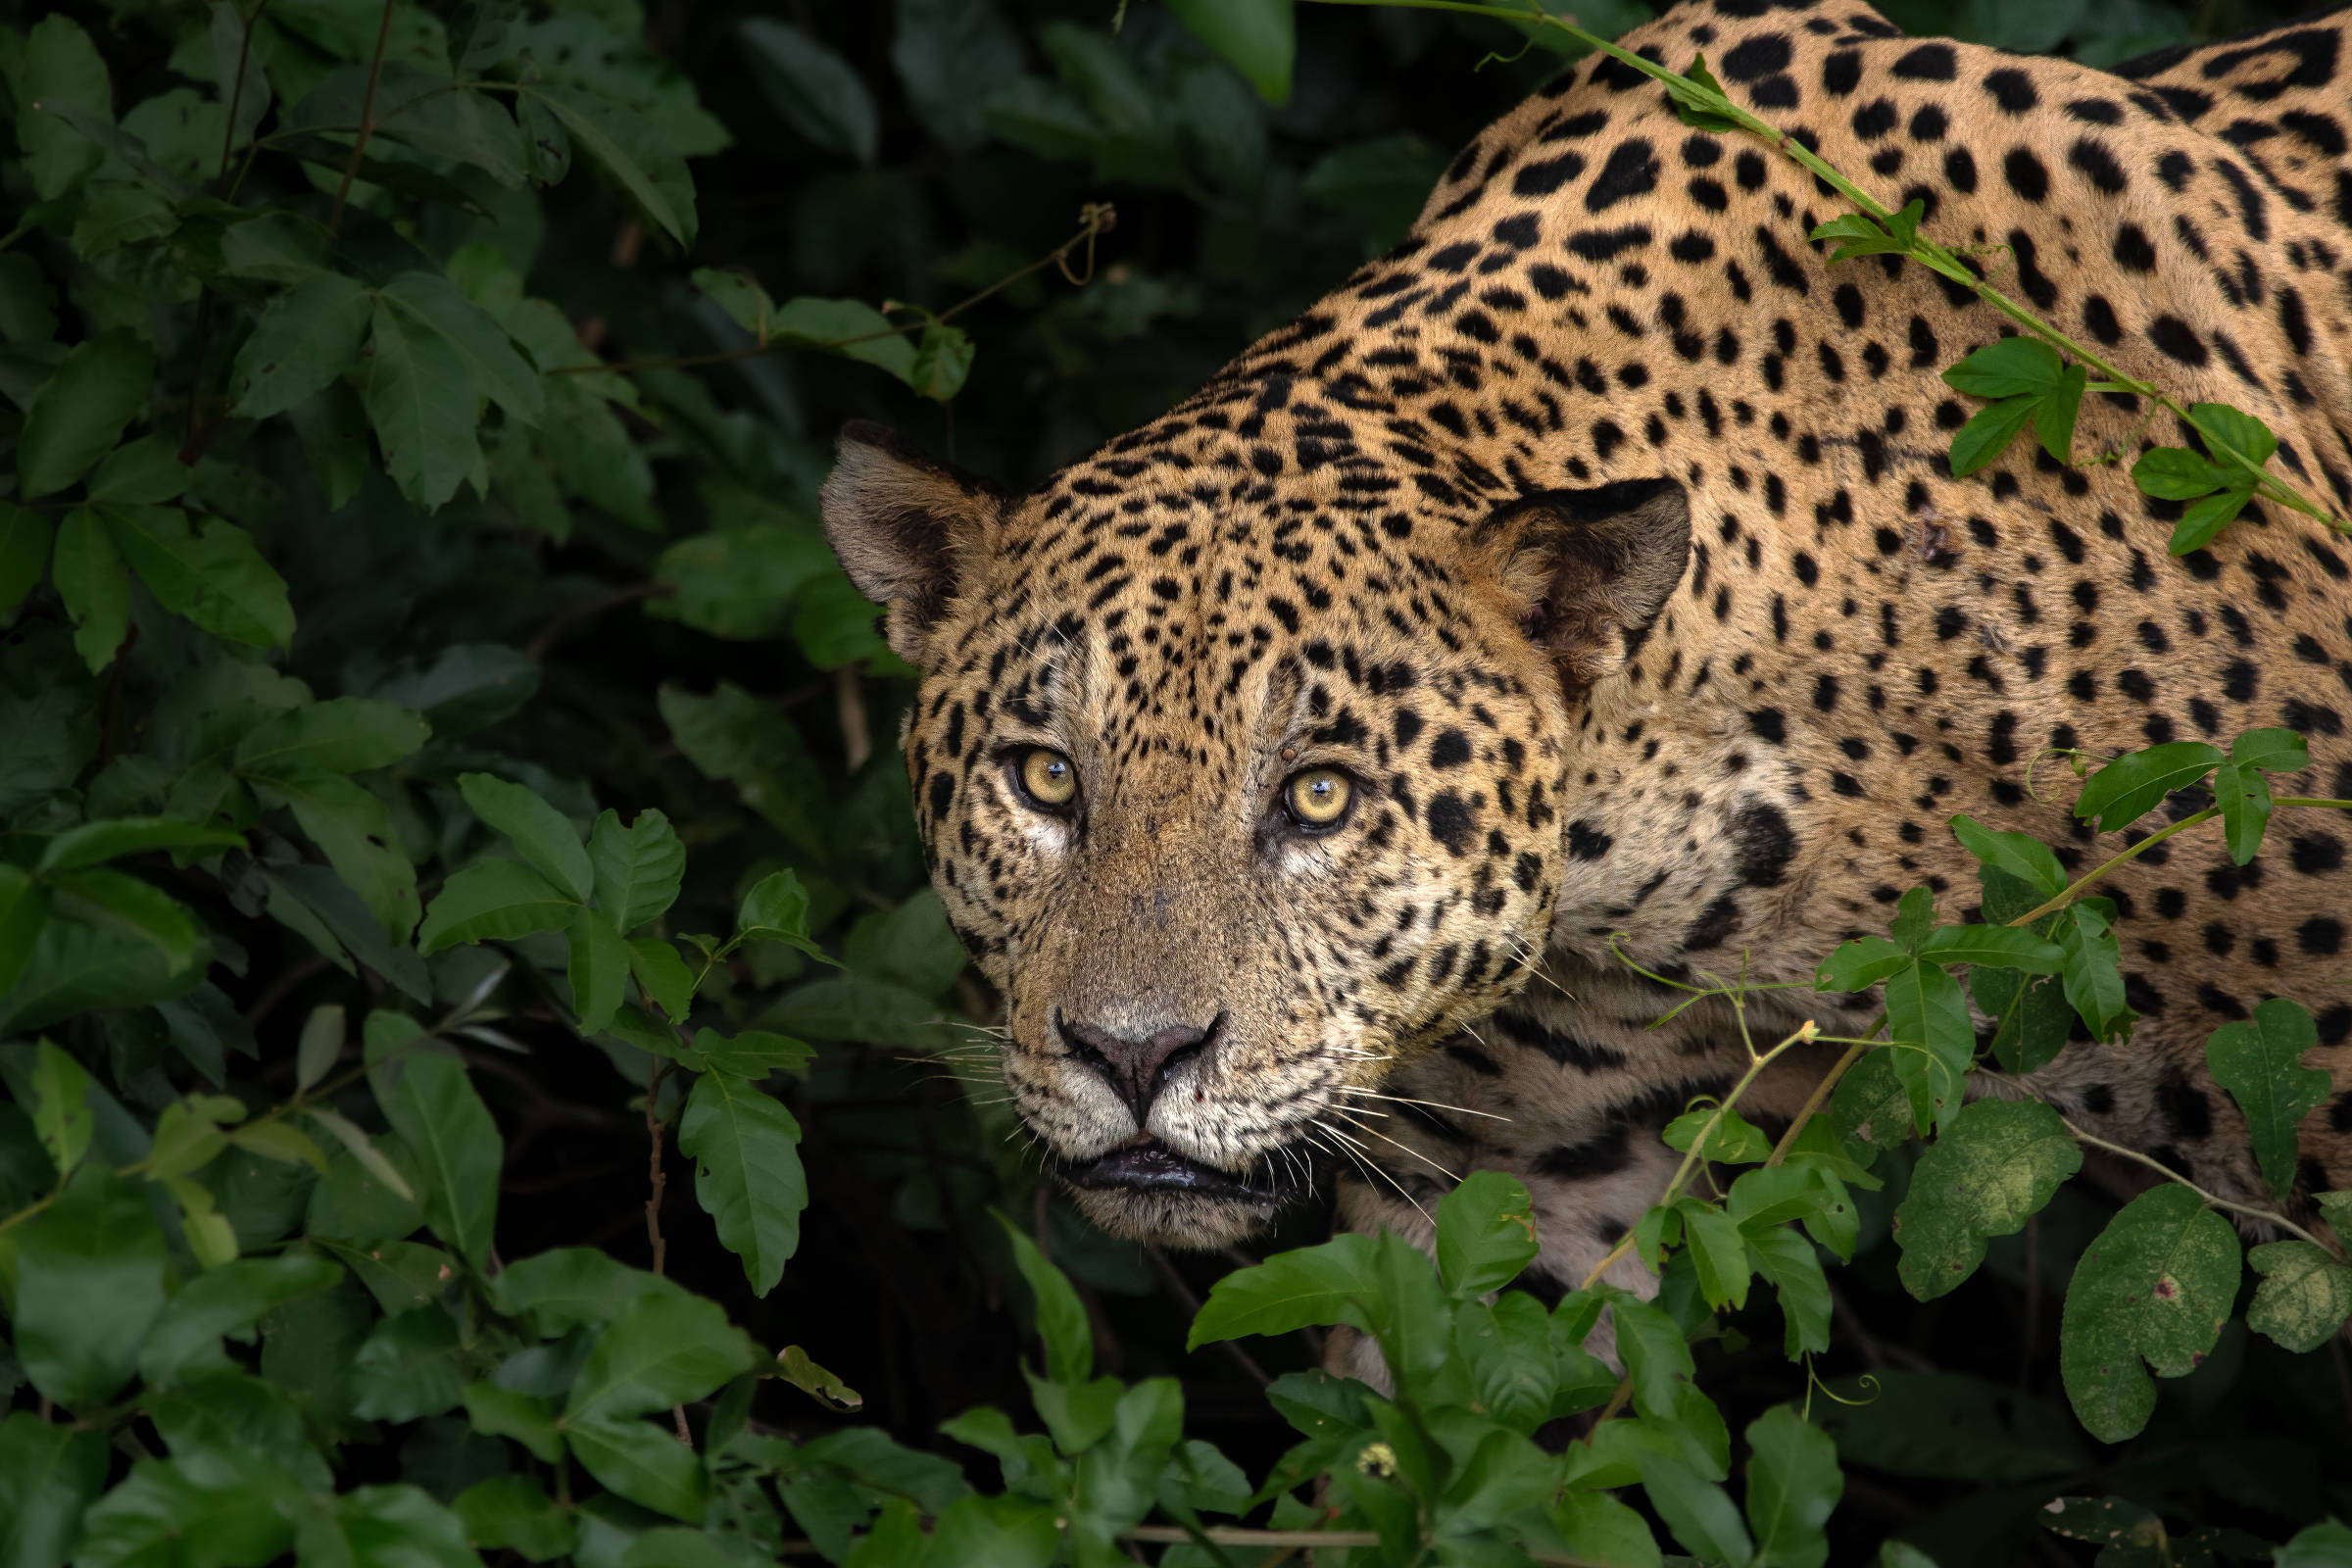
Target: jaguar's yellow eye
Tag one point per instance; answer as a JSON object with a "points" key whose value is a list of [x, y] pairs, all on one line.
{"points": [[1318, 797], [1048, 778]]}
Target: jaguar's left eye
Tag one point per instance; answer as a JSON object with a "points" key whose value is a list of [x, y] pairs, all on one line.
{"points": [[1047, 778], [1317, 798]]}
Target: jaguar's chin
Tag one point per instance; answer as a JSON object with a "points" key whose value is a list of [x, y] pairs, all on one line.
{"points": [[1145, 1191]]}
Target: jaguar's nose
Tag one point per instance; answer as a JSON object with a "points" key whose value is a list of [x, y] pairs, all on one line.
{"points": [[1136, 1067]]}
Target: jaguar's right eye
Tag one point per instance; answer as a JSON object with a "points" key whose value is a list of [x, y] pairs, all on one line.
{"points": [[1047, 779]]}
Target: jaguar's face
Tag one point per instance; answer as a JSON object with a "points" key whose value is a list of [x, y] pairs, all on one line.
{"points": [[1241, 794]]}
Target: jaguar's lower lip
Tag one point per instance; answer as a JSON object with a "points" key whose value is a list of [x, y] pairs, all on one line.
{"points": [[1150, 1165]]}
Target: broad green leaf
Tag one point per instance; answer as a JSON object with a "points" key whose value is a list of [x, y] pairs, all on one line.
{"points": [[61, 1110], [445, 1124], [1717, 1250], [1788, 1263], [1997, 947], [420, 396], [227, 1300], [2108, 1521], [341, 735], [637, 869], [1655, 1352], [504, 1414], [59, 67], [1989, 433], [1310, 1286], [2176, 473], [663, 976], [1597, 1528], [663, 1350], [2244, 796], [942, 358], [432, 304], [1927, 1016], [90, 1281], [2205, 518], [848, 328], [2020, 855], [816, 92], [643, 1463], [631, 155], [2326, 1545], [795, 1367], [143, 471], [213, 575], [90, 580], [2093, 973], [1793, 1485], [2304, 1297], [362, 1149], [28, 539], [23, 912], [1257, 37], [1062, 1321], [1861, 964], [1996, 1165], [385, 1527], [355, 830], [493, 901], [50, 1472], [2010, 366], [94, 843], [735, 736], [753, 1053], [2236, 429], [2260, 1062], [319, 1046], [80, 411], [1717, 1133], [515, 1513], [2273, 751], [546, 839], [747, 1172], [1486, 1233], [2033, 1017], [2156, 1287], [739, 582], [1700, 1512], [2054, 415], [1506, 1351], [236, 1505], [740, 295], [304, 341], [408, 1368], [598, 969]]}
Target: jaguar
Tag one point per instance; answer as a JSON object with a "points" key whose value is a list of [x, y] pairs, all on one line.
{"points": [[1336, 774]]}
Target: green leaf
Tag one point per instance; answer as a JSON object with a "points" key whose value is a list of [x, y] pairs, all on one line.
{"points": [[27, 541], [2273, 751], [2156, 1287], [1486, 1233], [227, 1300], [2010, 366], [739, 582], [1700, 1512], [1698, 99], [214, 577], [1729, 1137], [444, 1123], [1790, 1265], [1310, 1286], [546, 839], [2093, 976], [385, 1527], [2034, 1018], [80, 412], [1997, 1164], [740, 295], [2020, 855], [638, 869], [735, 736], [598, 969], [1997, 947], [663, 976], [432, 304], [2304, 1297], [94, 843], [753, 1053], [2245, 797], [2136, 782], [2260, 1062], [494, 901], [1062, 1321], [96, 591], [59, 67], [1857, 233], [795, 1367], [50, 1472], [2235, 429], [355, 830], [1717, 1250], [2176, 473], [341, 735], [504, 1414], [1657, 1355], [1927, 1016], [362, 1149], [2326, 1545], [142, 472], [2054, 415], [1257, 37], [1861, 964], [1989, 433], [23, 912], [2205, 518], [1793, 1485], [420, 396], [816, 92], [643, 1463], [305, 340], [319, 1046], [630, 154], [235, 1505], [89, 1279], [746, 1174], [850, 328], [515, 1513], [661, 1350], [942, 358]]}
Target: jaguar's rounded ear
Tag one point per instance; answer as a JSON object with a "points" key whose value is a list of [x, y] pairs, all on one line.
{"points": [[906, 527], [1589, 571]]}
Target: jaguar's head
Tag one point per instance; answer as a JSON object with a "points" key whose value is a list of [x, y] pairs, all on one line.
{"points": [[1239, 759]]}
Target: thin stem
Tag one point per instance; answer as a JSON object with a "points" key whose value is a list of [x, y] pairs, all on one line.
{"points": [[1821, 1092], [2075, 890], [351, 168], [2213, 1199]]}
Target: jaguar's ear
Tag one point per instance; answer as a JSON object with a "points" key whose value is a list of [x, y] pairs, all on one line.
{"points": [[1589, 571], [906, 527]]}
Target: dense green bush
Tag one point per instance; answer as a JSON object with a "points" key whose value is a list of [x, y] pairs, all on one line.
{"points": [[447, 789]]}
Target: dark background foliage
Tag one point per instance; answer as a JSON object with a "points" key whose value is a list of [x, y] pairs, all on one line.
{"points": [[935, 148]]}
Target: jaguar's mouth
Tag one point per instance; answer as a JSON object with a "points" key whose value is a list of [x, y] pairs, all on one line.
{"points": [[1144, 1164]]}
